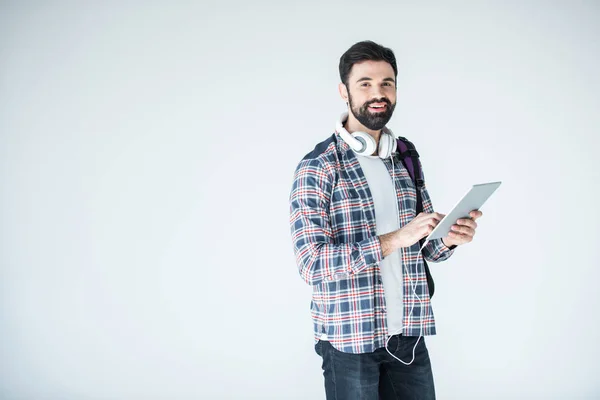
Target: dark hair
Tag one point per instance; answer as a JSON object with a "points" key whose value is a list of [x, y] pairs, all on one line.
{"points": [[366, 50]]}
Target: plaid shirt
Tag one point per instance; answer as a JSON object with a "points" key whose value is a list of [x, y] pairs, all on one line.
{"points": [[333, 228]]}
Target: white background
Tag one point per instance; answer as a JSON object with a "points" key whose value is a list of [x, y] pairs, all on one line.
{"points": [[146, 158]]}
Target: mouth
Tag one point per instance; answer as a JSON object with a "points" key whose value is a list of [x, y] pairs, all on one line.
{"points": [[377, 107]]}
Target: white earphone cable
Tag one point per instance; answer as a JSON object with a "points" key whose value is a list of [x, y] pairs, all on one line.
{"points": [[414, 289]]}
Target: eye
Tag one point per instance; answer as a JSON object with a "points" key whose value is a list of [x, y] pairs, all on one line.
{"points": [[364, 84]]}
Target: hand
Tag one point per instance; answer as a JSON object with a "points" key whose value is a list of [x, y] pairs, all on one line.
{"points": [[421, 226], [463, 231]]}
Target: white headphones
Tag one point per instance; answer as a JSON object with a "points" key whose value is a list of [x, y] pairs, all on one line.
{"points": [[364, 144]]}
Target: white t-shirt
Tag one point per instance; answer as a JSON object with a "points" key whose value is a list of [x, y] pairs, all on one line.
{"points": [[387, 220], [385, 201]]}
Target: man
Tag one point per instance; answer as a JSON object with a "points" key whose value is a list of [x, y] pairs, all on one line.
{"points": [[356, 239]]}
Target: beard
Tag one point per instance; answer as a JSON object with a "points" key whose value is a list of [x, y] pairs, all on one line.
{"points": [[373, 121]]}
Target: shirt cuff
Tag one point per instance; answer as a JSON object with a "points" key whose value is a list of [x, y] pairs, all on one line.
{"points": [[439, 251], [369, 253]]}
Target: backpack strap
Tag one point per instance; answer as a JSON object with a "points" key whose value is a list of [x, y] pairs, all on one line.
{"points": [[410, 159]]}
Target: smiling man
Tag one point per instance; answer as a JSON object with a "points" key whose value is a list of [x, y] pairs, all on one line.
{"points": [[356, 233]]}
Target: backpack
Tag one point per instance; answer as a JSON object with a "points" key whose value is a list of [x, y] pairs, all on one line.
{"points": [[409, 157]]}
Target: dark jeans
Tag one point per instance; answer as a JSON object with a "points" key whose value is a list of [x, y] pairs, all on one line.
{"points": [[377, 375]]}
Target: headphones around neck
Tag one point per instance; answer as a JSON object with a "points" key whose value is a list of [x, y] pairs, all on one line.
{"points": [[364, 144]]}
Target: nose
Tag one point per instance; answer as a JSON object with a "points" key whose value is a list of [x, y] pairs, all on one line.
{"points": [[377, 93]]}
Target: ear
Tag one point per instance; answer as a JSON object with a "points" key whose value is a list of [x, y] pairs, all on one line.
{"points": [[343, 92]]}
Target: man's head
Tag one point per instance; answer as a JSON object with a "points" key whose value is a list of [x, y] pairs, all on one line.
{"points": [[368, 73]]}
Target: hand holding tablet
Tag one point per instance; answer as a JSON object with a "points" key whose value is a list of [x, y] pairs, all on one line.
{"points": [[472, 200]]}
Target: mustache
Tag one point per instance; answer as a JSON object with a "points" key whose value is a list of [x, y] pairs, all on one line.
{"points": [[382, 100]]}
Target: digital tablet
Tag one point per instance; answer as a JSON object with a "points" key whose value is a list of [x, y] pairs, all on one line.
{"points": [[473, 200]]}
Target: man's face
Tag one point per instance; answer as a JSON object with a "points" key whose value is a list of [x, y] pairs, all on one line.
{"points": [[372, 93]]}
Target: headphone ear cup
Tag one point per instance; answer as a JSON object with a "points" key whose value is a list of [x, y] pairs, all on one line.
{"points": [[386, 145], [369, 145]]}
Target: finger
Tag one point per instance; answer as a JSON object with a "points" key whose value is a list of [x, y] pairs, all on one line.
{"points": [[422, 219], [462, 229], [431, 221], [435, 216], [428, 229], [460, 238], [467, 222], [475, 214]]}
